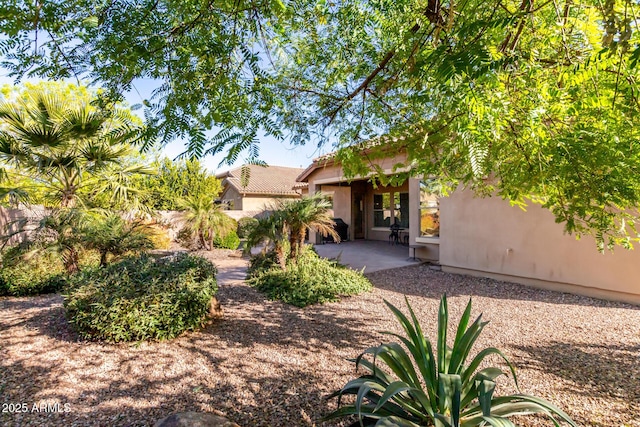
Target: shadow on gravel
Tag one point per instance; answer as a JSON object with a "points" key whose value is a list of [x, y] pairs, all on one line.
{"points": [[421, 281], [44, 314], [610, 371], [289, 398], [256, 320]]}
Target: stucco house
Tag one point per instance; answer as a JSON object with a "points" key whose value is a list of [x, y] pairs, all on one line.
{"points": [[477, 236], [263, 185]]}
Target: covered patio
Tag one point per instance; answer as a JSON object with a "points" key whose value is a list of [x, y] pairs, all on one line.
{"points": [[372, 255]]}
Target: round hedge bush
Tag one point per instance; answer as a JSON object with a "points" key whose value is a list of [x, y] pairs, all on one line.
{"points": [[310, 280], [230, 241], [142, 298]]}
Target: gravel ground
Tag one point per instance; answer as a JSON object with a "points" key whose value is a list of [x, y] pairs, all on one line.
{"points": [[269, 364]]}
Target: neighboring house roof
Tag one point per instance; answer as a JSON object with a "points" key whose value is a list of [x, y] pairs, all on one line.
{"points": [[263, 180]]}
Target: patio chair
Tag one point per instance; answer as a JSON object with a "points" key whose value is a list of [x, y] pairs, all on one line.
{"points": [[394, 237]]}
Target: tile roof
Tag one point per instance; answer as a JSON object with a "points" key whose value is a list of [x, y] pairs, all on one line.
{"points": [[272, 180], [329, 158]]}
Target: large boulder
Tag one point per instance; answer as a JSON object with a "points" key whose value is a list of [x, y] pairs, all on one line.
{"points": [[195, 419]]}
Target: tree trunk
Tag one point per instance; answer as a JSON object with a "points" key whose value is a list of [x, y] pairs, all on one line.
{"points": [[72, 261], [103, 258], [280, 255], [293, 244]]}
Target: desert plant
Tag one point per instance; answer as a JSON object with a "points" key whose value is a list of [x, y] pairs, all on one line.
{"points": [[141, 298], [60, 232], [68, 147], [305, 213], [308, 280], [271, 231], [206, 221], [112, 235], [446, 390]]}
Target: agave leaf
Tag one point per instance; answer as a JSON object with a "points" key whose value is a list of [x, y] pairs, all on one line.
{"points": [[461, 351], [380, 374], [490, 373], [413, 350], [370, 350], [449, 396], [365, 389], [397, 391], [498, 422], [404, 321], [475, 363], [415, 342], [443, 319], [365, 411], [485, 387], [354, 386], [441, 421], [394, 356], [462, 326], [426, 362], [548, 407], [395, 422]]}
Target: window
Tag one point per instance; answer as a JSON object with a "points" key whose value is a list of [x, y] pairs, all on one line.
{"points": [[388, 207], [429, 210], [382, 210]]}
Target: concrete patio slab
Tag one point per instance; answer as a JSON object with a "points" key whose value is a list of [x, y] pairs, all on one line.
{"points": [[368, 254]]}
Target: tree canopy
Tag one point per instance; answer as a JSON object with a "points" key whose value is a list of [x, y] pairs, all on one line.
{"points": [[530, 101], [177, 181]]}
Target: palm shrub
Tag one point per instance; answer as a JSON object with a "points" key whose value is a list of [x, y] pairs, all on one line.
{"points": [[286, 226], [271, 231], [60, 233], [141, 298], [205, 221], [308, 280], [305, 213], [69, 148], [446, 389], [112, 235]]}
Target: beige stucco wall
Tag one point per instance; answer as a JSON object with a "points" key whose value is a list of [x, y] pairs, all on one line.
{"points": [[249, 202], [231, 194], [488, 237], [341, 203]]}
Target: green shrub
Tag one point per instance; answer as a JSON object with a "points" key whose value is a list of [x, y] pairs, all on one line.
{"points": [[32, 278], [245, 225], [230, 241], [43, 273], [440, 386], [159, 237], [309, 280], [142, 298]]}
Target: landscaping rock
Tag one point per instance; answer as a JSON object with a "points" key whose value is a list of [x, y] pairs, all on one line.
{"points": [[195, 419]]}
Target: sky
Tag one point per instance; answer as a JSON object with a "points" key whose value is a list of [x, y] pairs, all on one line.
{"points": [[272, 151]]}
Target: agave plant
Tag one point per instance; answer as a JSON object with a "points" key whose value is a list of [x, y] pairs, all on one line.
{"points": [[442, 389]]}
